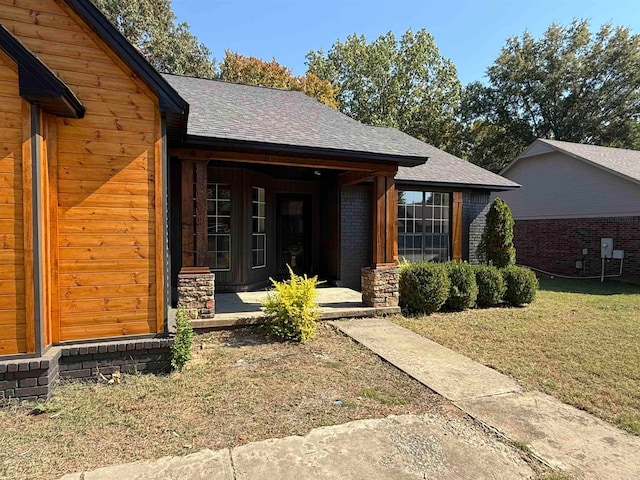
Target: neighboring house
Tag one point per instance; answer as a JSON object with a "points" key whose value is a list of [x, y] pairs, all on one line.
{"points": [[573, 195], [114, 179]]}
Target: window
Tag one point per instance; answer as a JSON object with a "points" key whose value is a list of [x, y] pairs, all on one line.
{"points": [[423, 226], [219, 226], [258, 235]]}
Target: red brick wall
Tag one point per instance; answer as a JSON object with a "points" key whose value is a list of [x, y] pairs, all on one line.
{"points": [[555, 244]]}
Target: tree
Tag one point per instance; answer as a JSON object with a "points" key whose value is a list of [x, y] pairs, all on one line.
{"points": [[255, 71], [150, 25], [404, 84], [496, 244], [569, 85]]}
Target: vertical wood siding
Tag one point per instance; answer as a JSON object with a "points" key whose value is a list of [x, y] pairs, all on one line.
{"points": [[12, 284], [105, 169]]}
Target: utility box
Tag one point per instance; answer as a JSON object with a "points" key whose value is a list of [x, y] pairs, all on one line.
{"points": [[606, 247], [618, 254]]}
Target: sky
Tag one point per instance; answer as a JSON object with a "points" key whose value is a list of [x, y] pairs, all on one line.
{"points": [[468, 32]]}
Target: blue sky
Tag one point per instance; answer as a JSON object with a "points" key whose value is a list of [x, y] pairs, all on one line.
{"points": [[469, 32]]}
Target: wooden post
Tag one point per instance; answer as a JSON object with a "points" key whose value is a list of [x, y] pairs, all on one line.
{"points": [[187, 214], [385, 221], [201, 214], [456, 227]]}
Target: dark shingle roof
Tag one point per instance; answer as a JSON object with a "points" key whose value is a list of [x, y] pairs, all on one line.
{"points": [[243, 113], [246, 113], [445, 169], [617, 160]]}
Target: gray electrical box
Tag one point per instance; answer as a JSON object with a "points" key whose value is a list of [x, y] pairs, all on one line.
{"points": [[618, 254], [606, 247]]}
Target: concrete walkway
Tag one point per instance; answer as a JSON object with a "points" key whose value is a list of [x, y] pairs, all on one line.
{"points": [[407, 447], [560, 435]]}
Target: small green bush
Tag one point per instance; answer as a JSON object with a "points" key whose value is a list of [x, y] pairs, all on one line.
{"points": [[181, 351], [464, 290], [491, 286], [522, 285], [424, 287], [291, 311]]}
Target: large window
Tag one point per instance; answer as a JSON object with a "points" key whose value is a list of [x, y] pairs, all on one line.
{"points": [[424, 226], [258, 233], [219, 226]]}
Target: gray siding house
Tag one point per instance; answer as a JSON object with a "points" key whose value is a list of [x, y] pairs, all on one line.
{"points": [[573, 195]]}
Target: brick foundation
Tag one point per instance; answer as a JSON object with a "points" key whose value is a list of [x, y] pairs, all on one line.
{"points": [[380, 287], [34, 379], [555, 245], [196, 287]]}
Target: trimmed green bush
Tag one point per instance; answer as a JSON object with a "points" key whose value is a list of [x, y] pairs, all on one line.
{"points": [[491, 286], [522, 285], [496, 245], [464, 289], [181, 351], [424, 287], [291, 311]]}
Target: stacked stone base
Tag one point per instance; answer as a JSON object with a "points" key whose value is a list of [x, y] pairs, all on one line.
{"points": [[380, 287], [196, 288], [34, 379]]}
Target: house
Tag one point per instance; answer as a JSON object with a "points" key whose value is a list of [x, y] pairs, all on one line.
{"points": [[572, 196], [124, 193]]}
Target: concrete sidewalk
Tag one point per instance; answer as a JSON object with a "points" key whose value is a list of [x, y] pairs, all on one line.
{"points": [[558, 434], [407, 447]]}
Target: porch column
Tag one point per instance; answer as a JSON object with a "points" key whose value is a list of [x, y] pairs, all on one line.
{"points": [[456, 227], [194, 203], [380, 281]]}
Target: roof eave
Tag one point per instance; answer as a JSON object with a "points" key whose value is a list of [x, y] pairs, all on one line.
{"points": [[38, 84], [302, 151], [169, 99], [471, 186]]}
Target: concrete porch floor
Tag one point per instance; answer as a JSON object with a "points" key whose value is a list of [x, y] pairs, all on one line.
{"points": [[243, 308]]}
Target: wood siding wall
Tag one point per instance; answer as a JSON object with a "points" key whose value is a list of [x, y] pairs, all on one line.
{"points": [[12, 285], [103, 214]]}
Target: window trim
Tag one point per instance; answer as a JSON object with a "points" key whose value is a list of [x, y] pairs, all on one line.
{"points": [[423, 220], [215, 216], [258, 234]]}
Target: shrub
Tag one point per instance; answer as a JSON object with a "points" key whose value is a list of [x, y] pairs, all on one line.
{"points": [[491, 286], [464, 290], [181, 351], [291, 311], [496, 244], [424, 287], [522, 285]]}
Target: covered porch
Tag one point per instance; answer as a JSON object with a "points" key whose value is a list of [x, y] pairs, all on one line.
{"points": [[244, 308]]}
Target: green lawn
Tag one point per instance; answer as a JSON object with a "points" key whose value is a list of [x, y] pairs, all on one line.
{"points": [[578, 341]]}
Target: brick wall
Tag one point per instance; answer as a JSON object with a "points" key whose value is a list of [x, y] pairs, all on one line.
{"points": [[34, 379], [475, 206], [555, 245], [355, 234]]}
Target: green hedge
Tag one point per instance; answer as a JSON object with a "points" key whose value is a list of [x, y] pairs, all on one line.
{"points": [[491, 285], [464, 289], [424, 287], [522, 285]]}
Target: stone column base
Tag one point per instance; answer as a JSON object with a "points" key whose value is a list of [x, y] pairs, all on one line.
{"points": [[380, 286], [196, 287]]}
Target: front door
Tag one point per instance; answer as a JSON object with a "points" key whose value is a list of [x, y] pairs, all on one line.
{"points": [[294, 233]]}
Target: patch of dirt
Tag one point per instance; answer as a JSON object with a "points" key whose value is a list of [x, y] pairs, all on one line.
{"points": [[240, 387]]}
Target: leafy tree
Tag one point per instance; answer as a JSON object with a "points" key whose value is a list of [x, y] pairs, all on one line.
{"points": [[150, 25], [404, 84], [571, 85], [496, 245], [255, 71]]}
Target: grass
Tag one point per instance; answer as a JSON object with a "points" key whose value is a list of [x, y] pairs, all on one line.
{"points": [[239, 388], [578, 341]]}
